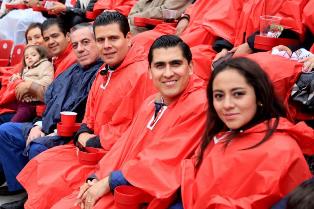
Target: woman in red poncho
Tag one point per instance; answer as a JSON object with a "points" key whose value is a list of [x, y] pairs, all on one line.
{"points": [[249, 156]]}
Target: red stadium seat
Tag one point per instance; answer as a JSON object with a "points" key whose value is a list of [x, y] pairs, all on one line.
{"points": [[17, 54], [5, 52]]}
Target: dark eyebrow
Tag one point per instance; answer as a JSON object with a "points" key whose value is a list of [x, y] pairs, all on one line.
{"points": [[237, 88], [217, 90], [175, 61], [159, 63]]}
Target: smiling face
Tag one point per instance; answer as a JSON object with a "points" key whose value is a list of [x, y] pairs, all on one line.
{"points": [[34, 37], [170, 72], [31, 56], [84, 46], [55, 41], [233, 98], [112, 44]]}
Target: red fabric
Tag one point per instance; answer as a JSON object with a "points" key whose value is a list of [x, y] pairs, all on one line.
{"points": [[202, 60], [122, 6], [109, 112], [148, 157], [64, 61], [249, 179], [312, 49], [147, 38], [6, 73], [249, 18], [308, 16], [8, 95], [211, 19], [283, 73]]}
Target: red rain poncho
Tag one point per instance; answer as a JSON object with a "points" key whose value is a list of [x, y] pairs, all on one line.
{"points": [[150, 158], [109, 112], [64, 60], [249, 18], [249, 179], [122, 6], [283, 73]]}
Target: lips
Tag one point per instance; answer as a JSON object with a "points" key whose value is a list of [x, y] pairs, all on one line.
{"points": [[230, 116], [109, 54]]}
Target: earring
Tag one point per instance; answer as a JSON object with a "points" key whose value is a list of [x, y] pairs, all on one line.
{"points": [[260, 104]]}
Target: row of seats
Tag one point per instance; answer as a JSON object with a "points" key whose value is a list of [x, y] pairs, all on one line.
{"points": [[9, 54]]}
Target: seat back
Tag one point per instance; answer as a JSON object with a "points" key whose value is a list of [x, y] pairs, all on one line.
{"points": [[17, 55], [5, 52]]}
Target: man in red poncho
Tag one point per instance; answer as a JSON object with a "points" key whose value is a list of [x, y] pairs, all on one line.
{"points": [[166, 130], [120, 87]]}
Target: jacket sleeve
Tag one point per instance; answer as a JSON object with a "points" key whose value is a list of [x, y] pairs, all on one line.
{"points": [[155, 12]]}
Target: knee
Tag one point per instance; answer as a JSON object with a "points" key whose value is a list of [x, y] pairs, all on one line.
{"points": [[5, 128], [35, 149]]}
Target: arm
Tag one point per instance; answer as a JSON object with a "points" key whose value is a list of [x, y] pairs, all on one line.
{"points": [[156, 11]]}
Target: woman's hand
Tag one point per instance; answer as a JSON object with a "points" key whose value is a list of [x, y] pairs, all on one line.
{"points": [[91, 192], [242, 49]]}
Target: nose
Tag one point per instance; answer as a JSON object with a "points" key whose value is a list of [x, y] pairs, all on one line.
{"points": [[107, 44], [50, 41], [80, 48], [168, 72], [228, 102]]}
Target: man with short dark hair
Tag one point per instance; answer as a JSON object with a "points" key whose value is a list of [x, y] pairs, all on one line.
{"points": [[68, 92], [58, 45], [167, 129]]}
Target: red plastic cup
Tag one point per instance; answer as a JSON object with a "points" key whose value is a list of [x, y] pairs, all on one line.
{"points": [[127, 197], [68, 118]]}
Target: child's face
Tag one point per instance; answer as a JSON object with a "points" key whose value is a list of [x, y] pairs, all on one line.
{"points": [[31, 56]]}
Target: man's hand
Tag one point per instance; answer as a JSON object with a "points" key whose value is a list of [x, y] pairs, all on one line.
{"points": [[181, 26], [219, 55], [56, 8], [84, 137], [34, 134], [284, 48], [93, 193], [21, 89], [243, 49]]}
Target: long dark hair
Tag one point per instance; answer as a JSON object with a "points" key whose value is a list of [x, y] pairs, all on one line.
{"points": [[269, 106]]}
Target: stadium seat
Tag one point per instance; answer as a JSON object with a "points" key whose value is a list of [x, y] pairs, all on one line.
{"points": [[5, 52], [17, 54]]}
